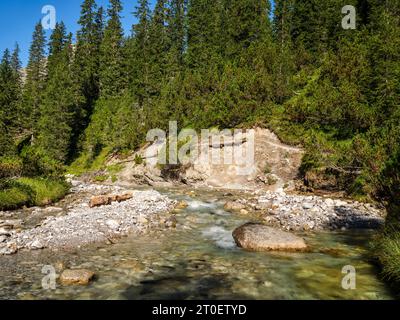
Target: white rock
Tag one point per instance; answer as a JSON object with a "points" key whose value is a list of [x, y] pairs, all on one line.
{"points": [[113, 224], [307, 205], [36, 244], [340, 203]]}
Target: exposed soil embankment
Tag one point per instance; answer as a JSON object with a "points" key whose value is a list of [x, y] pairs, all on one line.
{"points": [[246, 160]]}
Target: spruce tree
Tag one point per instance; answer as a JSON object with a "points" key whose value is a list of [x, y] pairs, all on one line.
{"points": [[284, 67], [10, 100], [6, 120], [158, 48], [177, 36], [56, 45], [35, 80], [61, 100], [112, 65], [204, 33], [385, 56], [87, 57], [140, 54], [245, 23]]}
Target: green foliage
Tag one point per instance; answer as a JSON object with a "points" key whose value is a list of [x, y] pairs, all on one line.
{"points": [[37, 163], [10, 99], [138, 160], [111, 70], [86, 64], [10, 167], [61, 101], [386, 250], [35, 80], [116, 124], [101, 178], [13, 198], [90, 162], [30, 192]]}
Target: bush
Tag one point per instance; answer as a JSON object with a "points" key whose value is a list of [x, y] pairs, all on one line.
{"points": [[386, 249], [45, 191], [36, 163], [31, 192], [13, 198], [10, 167], [138, 160]]}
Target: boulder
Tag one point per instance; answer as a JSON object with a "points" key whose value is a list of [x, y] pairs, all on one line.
{"points": [[76, 276], [124, 197], [98, 201], [259, 237]]}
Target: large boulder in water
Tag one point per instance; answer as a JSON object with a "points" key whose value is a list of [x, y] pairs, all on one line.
{"points": [[259, 237], [76, 276]]}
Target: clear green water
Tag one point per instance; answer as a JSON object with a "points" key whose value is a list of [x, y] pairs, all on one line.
{"points": [[199, 260]]}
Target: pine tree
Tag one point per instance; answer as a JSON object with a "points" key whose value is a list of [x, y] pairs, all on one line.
{"points": [[112, 66], [10, 99], [158, 48], [140, 53], [245, 23], [204, 31], [16, 62], [87, 57], [282, 28], [61, 100], [5, 104], [35, 80], [177, 36], [56, 46], [385, 56]]}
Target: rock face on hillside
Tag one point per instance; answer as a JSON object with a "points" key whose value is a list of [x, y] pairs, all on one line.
{"points": [[258, 237], [224, 161]]}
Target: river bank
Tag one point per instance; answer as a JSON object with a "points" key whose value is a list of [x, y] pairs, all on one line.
{"points": [[78, 224]]}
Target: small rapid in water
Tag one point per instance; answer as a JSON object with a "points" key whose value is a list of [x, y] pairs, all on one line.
{"points": [[200, 260]]}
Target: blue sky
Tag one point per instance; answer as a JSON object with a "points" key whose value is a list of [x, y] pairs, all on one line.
{"points": [[18, 18]]}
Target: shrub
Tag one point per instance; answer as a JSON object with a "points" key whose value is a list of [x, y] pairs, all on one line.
{"points": [[36, 163], [31, 192], [44, 191], [13, 198], [138, 160], [10, 167]]}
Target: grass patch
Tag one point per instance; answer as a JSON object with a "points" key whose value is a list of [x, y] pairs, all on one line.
{"points": [[114, 169], [138, 160], [21, 192], [87, 163], [13, 198], [101, 178], [386, 250]]}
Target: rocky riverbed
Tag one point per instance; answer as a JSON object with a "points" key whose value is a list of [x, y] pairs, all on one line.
{"points": [[80, 225], [293, 212]]}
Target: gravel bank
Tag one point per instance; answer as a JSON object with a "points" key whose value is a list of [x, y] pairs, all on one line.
{"points": [[81, 225], [298, 212]]}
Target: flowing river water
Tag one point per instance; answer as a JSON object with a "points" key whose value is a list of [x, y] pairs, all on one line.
{"points": [[199, 260]]}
